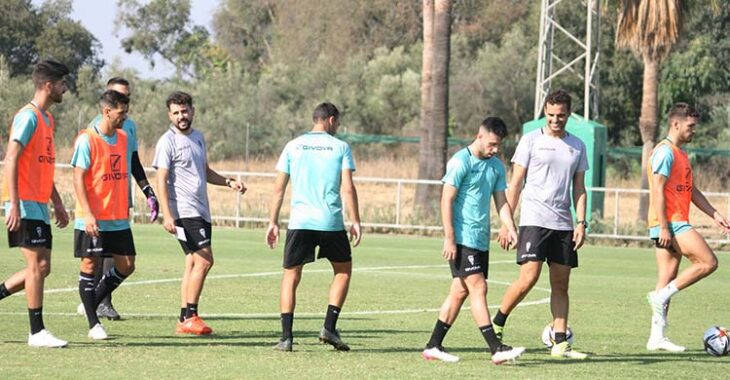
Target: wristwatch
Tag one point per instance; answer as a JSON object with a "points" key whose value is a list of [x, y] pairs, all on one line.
{"points": [[583, 222]]}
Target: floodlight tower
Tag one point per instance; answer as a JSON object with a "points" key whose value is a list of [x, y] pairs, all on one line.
{"points": [[550, 65]]}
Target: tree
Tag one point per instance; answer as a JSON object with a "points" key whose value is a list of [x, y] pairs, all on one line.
{"points": [[434, 98], [649, 28]]}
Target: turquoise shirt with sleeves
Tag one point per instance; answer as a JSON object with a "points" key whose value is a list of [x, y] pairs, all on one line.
{"points": [[24, 125], [476, 180], [315, 162], [82, 159]]}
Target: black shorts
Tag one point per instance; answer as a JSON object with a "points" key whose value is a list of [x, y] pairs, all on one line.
{"points": [[541, 244], [32, 233], [469, 261], [198, 234], [300, 244], [107, 244]]}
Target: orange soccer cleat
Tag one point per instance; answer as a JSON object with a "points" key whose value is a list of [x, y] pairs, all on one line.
{"points": [[193, 325]]}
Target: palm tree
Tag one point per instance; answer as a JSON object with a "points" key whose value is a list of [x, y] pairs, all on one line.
{"points": [[434, 99], [649, 28]]}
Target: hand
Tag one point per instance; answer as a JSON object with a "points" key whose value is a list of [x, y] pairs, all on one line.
{"points": [[579, 236], [722, 222], [169, 224], [272, 235], [61, 215], [665, 237], [355, 234], [504, 238], [154, 207], [509, 240], [90, 226], [449, 251], [238, 186], [12, 219]]}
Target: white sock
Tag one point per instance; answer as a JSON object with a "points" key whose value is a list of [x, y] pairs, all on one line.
{"points": [[665, 293]]}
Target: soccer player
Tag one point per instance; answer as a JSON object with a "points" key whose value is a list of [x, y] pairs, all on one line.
{"points": [[473, 175], [121, 85], [547, 161], [320, 167], [182, 173], [671, 192], [101, 182], [27, 188]]}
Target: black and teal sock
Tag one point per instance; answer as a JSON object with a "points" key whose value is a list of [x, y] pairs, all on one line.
{"points": [[183, 310], [191, 310], [438, 334], [4, 292], [36, 320], [490, 337], [110, 281], [330, 320], [287, 322], [560, 337], [87, 292], [500, 319]]}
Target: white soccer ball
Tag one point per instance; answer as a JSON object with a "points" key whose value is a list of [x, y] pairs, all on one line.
{"points": [[548, 335], [717, 341]]}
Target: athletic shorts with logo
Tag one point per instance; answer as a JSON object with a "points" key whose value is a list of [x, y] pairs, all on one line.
{"points": [[300, 246], [469, 261], [108, 243], [543, 244], [198, 234], [32, 233]]}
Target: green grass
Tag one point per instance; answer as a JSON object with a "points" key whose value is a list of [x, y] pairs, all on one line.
{"points": [[387, 318]]}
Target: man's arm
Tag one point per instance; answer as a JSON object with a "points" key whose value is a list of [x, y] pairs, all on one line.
{"points": [[141, 178], [579, 200], [167, 221], [12, 219], [448, 195], [659, 204], [90, 226], [512, 196], [349, 192], [505, 214], [277, 198], [703, 204], [58, 209], [216, 179]]}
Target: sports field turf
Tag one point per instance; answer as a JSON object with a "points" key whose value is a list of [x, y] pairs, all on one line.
{"points": [[398, 284]]}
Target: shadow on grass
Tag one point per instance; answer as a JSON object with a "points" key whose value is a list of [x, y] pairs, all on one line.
{"points": [[640, 358]]}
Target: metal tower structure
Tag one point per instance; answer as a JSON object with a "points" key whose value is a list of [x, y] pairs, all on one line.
{"points": [[582, 66]]}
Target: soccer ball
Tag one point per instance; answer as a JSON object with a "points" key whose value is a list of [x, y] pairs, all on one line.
{"points": [[717, 342], [548, 335]]}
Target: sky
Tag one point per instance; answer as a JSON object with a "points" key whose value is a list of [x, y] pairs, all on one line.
{"points": [[97, 16]]}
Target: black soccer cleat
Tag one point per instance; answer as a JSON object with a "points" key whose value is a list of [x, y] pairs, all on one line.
{"points": [[333, 339], [108, 312], [284, 345]]}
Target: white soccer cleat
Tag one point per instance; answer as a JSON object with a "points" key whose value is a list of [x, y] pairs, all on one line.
{"points": [[663, 344], [564, 350], [507, 353], [97, 332], [44, 338], [438, 353], [80, 310]]}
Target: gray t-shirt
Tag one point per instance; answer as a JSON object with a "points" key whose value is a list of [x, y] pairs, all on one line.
{"points": [[186, 159], [551, 163]]}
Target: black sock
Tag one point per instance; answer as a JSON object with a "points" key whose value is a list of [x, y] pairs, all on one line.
{"points": [[287, 321], [110, 281], [490, 337], [560, 337], [438, 335], [107, 263], [183, 310], [4, 292], [36, 320], [500, 319], [191, 310], [330, 321], [87, 291]]}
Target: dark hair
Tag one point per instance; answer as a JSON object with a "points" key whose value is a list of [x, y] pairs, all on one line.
{"points": [[113, 99], [48, 71], [179, 98], [117, 80], [495, 125], [682, 111], [558, 97], [324, 111]]}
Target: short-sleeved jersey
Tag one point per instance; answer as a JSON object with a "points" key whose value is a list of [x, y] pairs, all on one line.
{"points": [[551, 163], [185, 157], [315, 162], [673, 163], [82, 159], [130, 128], [476, 181], [24, 126]]}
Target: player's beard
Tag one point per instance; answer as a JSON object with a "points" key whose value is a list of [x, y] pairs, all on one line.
{"points": [[188, 125], [56, 97]]}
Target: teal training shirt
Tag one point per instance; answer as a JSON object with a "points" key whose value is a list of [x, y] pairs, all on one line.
{"points": [[314, 162], [24, 125], [476, 181]]}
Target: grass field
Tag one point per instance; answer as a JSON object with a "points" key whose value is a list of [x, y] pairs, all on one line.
{"points": [[398, 284]]}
